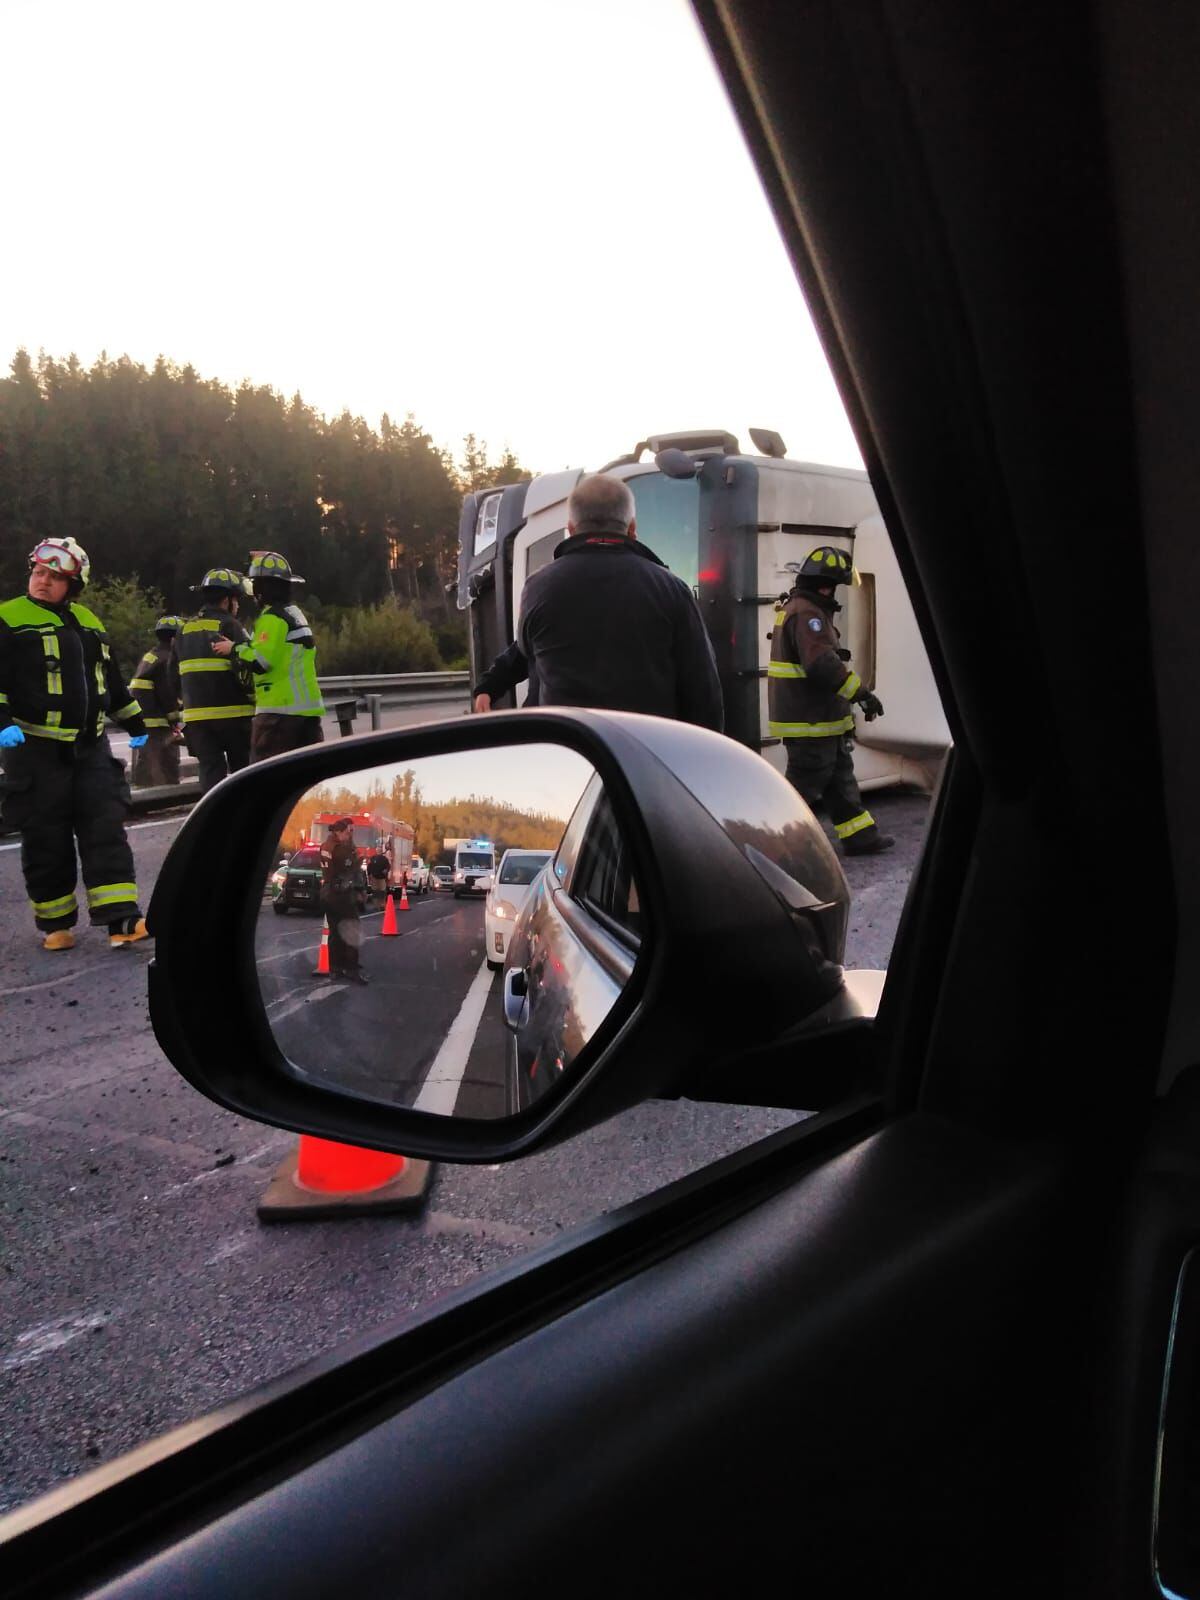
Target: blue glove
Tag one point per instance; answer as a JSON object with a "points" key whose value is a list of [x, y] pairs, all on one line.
{"points": [[11, 737], [137, 740]]}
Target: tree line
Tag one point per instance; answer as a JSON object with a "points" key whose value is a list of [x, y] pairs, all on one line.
{"points": [[161, 473], [469, 817]]}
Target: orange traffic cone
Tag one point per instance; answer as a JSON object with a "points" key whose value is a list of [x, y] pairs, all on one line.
{"points": [[389, 918], [404, 895], [325, 1179], [322, 970]]}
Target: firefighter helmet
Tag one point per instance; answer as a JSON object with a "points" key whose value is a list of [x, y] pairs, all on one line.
{"points": [[219, 578], [168, 625], [65, 556], [827, 565], [270, 564]]}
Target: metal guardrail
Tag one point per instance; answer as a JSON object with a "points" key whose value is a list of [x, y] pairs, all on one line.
{"points": [[372, 692]]}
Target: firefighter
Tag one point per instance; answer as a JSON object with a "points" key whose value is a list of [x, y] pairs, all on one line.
{"points": [[156, 689], [341, 875], [64, 787], [218, 700], [282, 656], [811, 688]]}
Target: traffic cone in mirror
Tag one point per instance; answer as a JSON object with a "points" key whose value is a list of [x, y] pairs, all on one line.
{"points": [[325, 1179], [322, 970], [389, 918]]}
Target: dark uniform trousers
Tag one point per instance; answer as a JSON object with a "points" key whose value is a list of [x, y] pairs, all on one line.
{"points": [[275, 733], [221, 745], [156, 764], [345, 931], [58, 795], [822, 771]]}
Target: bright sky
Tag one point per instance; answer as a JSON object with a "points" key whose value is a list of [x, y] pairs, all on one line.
{"points": [[529, 777], [536, 221]]}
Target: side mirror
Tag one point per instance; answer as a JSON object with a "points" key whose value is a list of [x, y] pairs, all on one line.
{"points": [[665, 911]]}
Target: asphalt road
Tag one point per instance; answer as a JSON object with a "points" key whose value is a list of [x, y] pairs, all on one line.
{"points": [[137, 1288], [386, 1040]]}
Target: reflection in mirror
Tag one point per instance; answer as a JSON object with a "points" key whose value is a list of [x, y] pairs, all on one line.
{"points": [[448, 933]]}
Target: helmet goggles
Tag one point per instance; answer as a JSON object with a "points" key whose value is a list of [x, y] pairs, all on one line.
{"points": [[56, 558]]}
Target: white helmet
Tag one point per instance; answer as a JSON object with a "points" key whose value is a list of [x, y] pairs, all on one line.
{"points": [[66, 556]]}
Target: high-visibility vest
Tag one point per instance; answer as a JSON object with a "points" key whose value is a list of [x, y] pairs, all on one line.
{"points": [[284, 663]]}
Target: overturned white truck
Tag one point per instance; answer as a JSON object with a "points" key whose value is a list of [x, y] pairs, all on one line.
{"points": [[736, 528]]}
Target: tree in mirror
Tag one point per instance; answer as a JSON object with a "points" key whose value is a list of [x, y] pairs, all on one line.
{"points": [[447, 934]]}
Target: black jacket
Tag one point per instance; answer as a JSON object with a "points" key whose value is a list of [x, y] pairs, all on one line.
{"points": [[58, 677], [213, 687], [606, 624], [509, 669]]}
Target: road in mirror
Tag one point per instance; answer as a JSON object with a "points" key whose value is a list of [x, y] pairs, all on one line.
{"points": [[398, 897]]}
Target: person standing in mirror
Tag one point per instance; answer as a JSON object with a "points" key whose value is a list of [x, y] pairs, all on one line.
{"points": [[811, 688], [341, 874], [607, 624]]}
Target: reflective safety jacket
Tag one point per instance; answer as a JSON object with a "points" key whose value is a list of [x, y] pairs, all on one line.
{"points": [[58, 678], [213, 687], [809, 687], [156, 686], [283, 658]]}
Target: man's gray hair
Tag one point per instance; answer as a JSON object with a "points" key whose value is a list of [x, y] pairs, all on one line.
{"points": [[600, 504]]}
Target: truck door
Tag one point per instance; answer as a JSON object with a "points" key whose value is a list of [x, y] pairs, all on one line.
{"points": [[488, 524]]}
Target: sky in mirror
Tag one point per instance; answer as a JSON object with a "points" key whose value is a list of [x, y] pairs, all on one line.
{"points": [[486, 215], [535, 777]]}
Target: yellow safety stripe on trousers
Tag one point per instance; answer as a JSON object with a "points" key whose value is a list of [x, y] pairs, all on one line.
{"points": [[810, 730], [41, 730], [131, 710], [139, 683], [202, 625], [215, 713], [864, 819], [155, 722], [851, 686], [111, 894], [61, 907], [217, 664], [786, 669]]}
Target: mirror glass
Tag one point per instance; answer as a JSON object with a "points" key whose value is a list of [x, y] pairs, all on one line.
{"points": [[448, 933]]}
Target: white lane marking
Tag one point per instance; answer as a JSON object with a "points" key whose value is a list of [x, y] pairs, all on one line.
{"points": [[46, 1337], [439, 1093], [69, 975], [286, 955], [130, 827], [277, 1143], [308, 1000]]}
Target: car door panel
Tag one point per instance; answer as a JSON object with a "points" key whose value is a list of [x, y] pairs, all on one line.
{"points": [[761, 1397]]}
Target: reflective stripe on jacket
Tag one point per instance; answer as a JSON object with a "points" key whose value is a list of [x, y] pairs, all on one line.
{"points": [[213, 687], [58, 678], [809, 687], [284, 662], [156, 686]]}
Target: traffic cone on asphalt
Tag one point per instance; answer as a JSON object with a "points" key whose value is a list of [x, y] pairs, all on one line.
{"points": [[404, 895], [389, 918], [323, 959], [325, 1179]]}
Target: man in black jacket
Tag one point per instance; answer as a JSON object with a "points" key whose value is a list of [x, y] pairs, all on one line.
{"points": [[606, 624]]}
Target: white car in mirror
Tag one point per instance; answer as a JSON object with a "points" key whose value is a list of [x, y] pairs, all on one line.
{"points": [[506, 899]]}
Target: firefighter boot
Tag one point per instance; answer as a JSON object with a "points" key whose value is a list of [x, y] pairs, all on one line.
{"points": [[60, 939], [870, 842], [128, 931]]}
